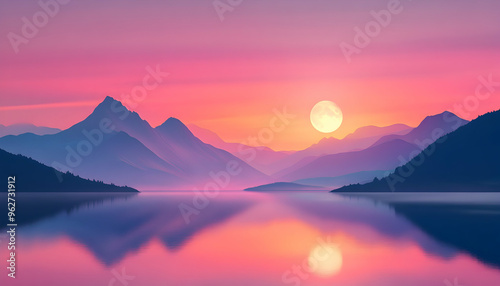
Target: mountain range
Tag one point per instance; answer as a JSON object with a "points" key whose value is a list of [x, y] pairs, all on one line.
{"points": [[360, 139], [464, 160], [442, 124], [259, 157], [16, 129], [385, 154], [369, 136], [115, 145]]}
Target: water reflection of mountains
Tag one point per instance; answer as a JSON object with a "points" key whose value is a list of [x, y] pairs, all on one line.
{"points": [[126, 223], [470, 227], [34, 207], [130, 221]]}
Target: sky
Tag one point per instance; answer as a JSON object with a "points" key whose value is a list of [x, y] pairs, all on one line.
{"points": [[231, 72]]}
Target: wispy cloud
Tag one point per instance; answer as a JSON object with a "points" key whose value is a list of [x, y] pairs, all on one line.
{"points": [[50, 105]]}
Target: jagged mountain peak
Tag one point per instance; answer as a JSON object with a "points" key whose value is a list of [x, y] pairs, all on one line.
{"points": [[175, 127], [446, 116]]}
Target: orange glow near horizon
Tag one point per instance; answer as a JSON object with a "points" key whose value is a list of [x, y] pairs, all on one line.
{"points": [[236, 119]]}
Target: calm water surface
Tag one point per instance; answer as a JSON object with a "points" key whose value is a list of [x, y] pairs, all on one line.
{"points": [[243, 238]]}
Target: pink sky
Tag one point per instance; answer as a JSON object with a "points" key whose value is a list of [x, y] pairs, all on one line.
{"points": [[229, 76]]}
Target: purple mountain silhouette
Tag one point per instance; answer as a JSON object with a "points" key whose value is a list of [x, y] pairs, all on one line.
{"points": [[375, 131], [259, 157], [387, 153], [118, 158], [386, 156], [361, 139], [16, 129], [122, 119], [465, 160], [430, 129], [199, 158], [135, 154]]}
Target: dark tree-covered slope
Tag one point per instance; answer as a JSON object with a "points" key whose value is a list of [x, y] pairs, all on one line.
{"points": [[32, 176]]}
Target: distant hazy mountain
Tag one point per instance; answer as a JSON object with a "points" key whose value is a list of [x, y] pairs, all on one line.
{"points": [[200, 159], [465, 160], [382, 157], [284, 186], [31, 176], [374, 131], [423, 134], [361, 139], [115, 145], [207, 136], [339, 181], [258, 157], [371, 136], [16, 129]]}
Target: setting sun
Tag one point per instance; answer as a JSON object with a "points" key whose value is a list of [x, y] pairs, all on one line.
{"points": [[326, 116]]}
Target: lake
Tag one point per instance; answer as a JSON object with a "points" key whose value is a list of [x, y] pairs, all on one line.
{"points": [[244, 238]]}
